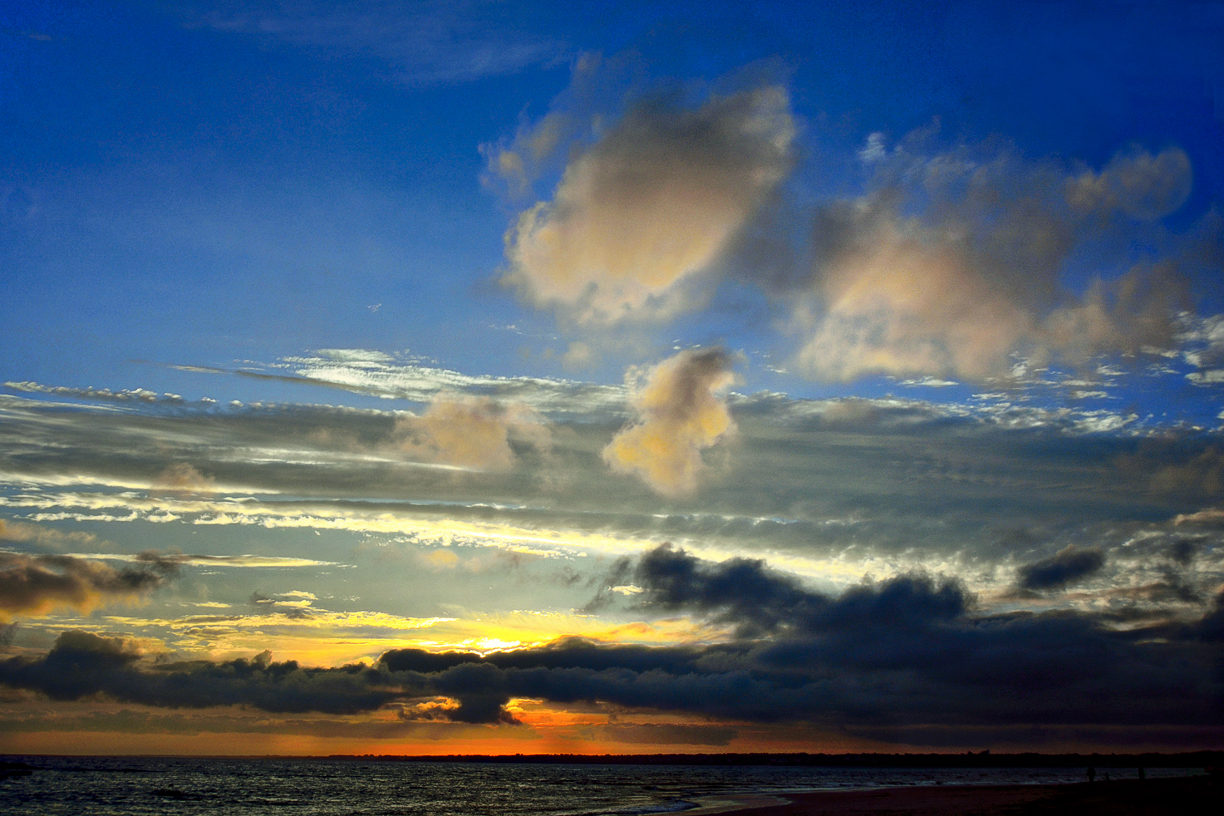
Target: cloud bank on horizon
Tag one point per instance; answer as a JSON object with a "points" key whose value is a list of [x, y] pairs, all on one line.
{"points": [[756, 399]]}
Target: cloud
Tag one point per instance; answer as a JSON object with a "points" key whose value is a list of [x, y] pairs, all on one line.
{"points": [[1136, 183], [762, 601], [404, 377], [679, 415], [1211, 627], [953, 262], [44, 536], [33, 35], [650, 205], [578, 356], [910, 651], [182, 480], [425, 42], [1201, 475], [894, 302], [252, 561], [740, 590], [808, 480], [82, 664], [38, 584], [124, 395], [1067, 566], [471, 432]]}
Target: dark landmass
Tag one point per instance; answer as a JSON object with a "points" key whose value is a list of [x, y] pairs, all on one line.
{"points": [[984, 759]]}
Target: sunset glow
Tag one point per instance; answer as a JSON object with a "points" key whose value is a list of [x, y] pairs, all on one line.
{"points": [[495, 378]]}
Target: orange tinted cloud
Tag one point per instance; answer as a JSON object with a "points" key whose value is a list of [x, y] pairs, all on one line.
{"points": [[45, 536], [471, 432], [1135, 182], [651, 205], [181, 480], [974, 277], [680, 414]]}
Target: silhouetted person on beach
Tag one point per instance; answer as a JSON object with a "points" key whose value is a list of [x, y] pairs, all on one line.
{"points": [[1142, 775], [1091, 774]]}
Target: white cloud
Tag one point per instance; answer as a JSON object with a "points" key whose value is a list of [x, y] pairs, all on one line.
{"points": [[424, 42], [953, 264], [651, 205]]}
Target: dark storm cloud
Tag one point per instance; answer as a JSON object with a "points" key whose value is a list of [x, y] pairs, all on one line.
{"points": [[1211, 627], [741, 591], [902, 653], [759, 600], [37, 584], [1183, 551], [419, 660], [82, 664], [1067, 566]]}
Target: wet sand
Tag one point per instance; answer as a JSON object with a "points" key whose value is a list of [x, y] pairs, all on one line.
{"points": [[1131, 797]]}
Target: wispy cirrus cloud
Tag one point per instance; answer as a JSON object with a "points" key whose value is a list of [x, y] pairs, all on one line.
{"points": [[405, 377], [236, 561], [808, 475], [421, 43], [47, 537]]}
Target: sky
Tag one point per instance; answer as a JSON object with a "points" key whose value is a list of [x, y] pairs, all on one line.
{"points": [[522, 377]]}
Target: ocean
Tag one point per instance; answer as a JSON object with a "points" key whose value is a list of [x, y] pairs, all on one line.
{"points": [[126, 786]]}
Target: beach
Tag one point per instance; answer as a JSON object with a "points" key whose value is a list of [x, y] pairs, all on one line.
{"points": [[1131, 797]]}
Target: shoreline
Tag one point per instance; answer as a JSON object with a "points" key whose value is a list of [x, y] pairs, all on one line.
{"points": [[1129, 797]]}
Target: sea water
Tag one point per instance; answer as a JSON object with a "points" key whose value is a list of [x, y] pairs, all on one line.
{"points": [[121, 786]]}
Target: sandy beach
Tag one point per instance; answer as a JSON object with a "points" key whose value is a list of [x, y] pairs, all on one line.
{"points": [[1183, 795]]}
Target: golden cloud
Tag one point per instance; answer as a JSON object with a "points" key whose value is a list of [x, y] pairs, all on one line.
{"points": [[680, 414], [651, 205], [974, 279], [471, 432]]}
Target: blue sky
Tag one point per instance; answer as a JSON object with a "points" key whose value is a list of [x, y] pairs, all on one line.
{"points": [[474, 327]]}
